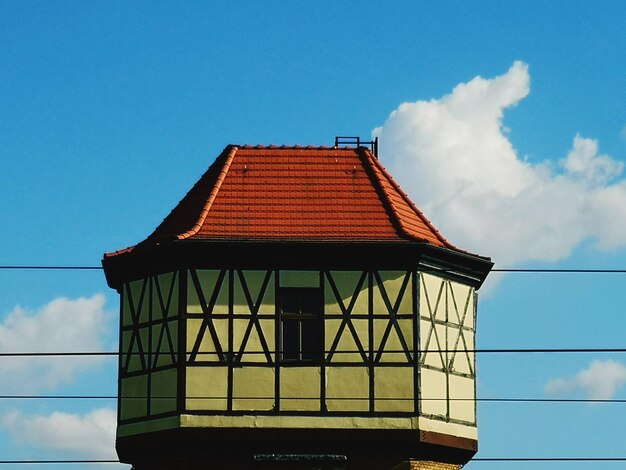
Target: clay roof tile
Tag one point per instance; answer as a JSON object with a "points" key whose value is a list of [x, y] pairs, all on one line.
{"points": [[296, 193]]}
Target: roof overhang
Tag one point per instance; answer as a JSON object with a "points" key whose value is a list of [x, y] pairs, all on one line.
{"points": [[146, 261]]}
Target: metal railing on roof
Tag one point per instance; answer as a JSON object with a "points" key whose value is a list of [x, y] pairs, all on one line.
{"points": [[357, 142]]}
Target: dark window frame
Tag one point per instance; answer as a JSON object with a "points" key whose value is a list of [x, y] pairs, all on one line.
{"points": [[300, 317]]}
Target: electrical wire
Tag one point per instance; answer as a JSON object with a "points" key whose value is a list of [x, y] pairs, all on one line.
{"points": [[93, 461], [549, 459], [480, 351], [493, 270], [422, 351], [196, 397], [50, 267], [476, 459]]}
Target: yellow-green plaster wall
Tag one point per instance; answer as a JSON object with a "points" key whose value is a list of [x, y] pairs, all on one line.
{"points": [[208, 280], [346, 283], [165, 296], [446, 308], [152, 425], [207, 388], [134, 401], [163, 391], [447, 363], [392, 283], [300, 388], [347, 388], [207, 350], [299, 279], [346, 290], [393, 389], [254, 281], [253, 388], [149, 324]]}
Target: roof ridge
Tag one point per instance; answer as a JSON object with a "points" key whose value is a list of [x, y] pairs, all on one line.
{"points": [[209, 202], [291, 147], [376, 163], [395, 220]]}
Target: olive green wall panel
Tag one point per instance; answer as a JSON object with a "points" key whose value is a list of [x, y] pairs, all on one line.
{"points": [[163, 389], [394, 389], [300, 388], [209, 283], [347, 388], [299, 279], [207, 388], [253, 389], [134, 393]]}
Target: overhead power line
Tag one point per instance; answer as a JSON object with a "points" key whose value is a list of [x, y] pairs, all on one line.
{"points": [[98, 461], [476, 459], [549, 459], [208, 397], [559, 271], [239, 353], [51, 267], [494, 270]]}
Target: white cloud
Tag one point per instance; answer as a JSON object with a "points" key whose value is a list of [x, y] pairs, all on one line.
{"points": [[453, 156], [583, 162], [90, 436], [600, 381], [63, 325]]}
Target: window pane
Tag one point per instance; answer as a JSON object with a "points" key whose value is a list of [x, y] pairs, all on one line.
{"points": [[310, 302], [290, 302], [301, 311], [291, 340], [311, 344]]}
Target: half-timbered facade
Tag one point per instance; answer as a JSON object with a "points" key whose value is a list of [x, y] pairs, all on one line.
{"points": [[296, 303]]}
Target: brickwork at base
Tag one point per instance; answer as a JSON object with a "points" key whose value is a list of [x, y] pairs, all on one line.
{"points": [[362, 465]]}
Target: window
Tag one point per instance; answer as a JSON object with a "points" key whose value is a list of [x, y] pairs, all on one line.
{"points": [[300, 318]]}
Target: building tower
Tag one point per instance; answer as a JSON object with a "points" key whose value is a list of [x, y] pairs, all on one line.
{"points": [[296, 310]]}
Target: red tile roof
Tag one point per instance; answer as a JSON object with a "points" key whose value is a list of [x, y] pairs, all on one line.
{"points": [[296, 194]]}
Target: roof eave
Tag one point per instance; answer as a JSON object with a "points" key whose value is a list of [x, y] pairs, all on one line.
{"points": [[291, 254], [399, 222]]}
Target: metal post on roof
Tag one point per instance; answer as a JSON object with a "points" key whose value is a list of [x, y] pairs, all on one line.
{"points": [[353, 141]]}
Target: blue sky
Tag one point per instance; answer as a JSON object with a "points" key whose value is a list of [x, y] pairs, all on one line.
{"points": [[515, 126]]}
